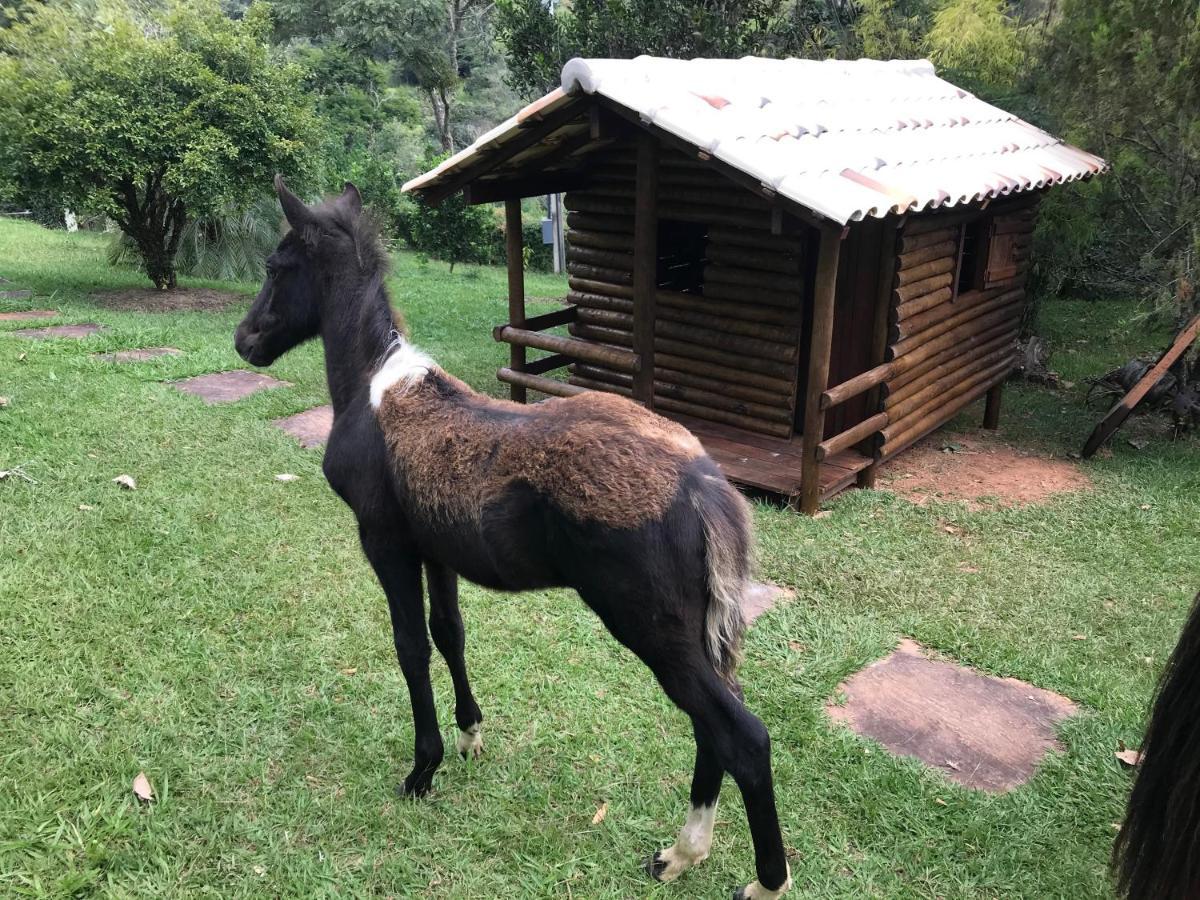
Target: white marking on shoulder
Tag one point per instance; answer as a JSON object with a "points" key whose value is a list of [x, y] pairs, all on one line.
{"points": [[404, 366]]}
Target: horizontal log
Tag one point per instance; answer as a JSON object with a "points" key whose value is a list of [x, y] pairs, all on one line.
{"points": [[713, 382], [948, 365], [968, 343], [1010, 298], [599, 273], [664, 387], [546, 364], [919, 289], [606, 318], [945, 381], [923, 420], [601, 240], [593, 286], [707, 215], [609, 224], [751, 278], [938, 417], [727, 374], [739, 292], [605, 386], [753, 347], [550, 320], [689, 315], [732, 309], [623, 360], [925, 270], [598, 204], [746, 258], [775, 368], [851, 436], [918, 354], [613, 259], [600, 301], [674, 191], [914, 258], [911, 242], [777, 429], [940, 300], [538, 383], [592, 333], [852, 387], [788, 244]]}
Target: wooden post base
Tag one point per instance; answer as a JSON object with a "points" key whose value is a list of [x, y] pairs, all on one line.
{"points": [[991, 409]]}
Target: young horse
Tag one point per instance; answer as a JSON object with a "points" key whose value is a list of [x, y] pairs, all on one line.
{"points": [[591, 492]]}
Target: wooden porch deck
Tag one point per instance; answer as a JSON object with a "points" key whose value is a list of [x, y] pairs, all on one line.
{"points": [[768, 463]]}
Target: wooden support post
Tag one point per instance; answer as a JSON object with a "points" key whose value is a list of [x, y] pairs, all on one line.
{"points": [[820, 346], [515, 251], [645, 267], [991, 409], [888, 252]]}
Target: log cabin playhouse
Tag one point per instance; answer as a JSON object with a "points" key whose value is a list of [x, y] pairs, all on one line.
{"points": [[809, 264]]}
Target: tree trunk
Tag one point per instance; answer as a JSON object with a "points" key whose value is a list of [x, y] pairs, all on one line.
{"points": [[155, 223]]}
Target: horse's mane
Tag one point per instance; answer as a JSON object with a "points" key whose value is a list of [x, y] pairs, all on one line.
{"points": [[365, 229]]}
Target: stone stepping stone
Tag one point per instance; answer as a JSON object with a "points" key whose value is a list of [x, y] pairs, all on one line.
{"points": [[28, 315], [311, 427], [980, 731], [227, 387], [140, 355], [58, 331], [762, 596], [15, 295]]}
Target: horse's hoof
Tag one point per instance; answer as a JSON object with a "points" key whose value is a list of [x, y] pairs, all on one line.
{"points": [[739, 893], [470, 743], [655, 865], [414, 788]]}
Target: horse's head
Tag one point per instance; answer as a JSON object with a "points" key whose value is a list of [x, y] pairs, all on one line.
{"points": [[322, 241]]}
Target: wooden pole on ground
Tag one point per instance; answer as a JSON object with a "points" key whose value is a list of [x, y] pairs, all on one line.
{"points": [[991, 409], [820, 346], [645, 267], [514, 250]]}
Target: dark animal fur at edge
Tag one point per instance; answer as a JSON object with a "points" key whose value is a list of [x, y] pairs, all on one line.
{"points": [[1156, 855]]}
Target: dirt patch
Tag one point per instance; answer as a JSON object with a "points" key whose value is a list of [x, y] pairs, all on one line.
{"points": [[980, 470], [181, 300], [983, 732]]}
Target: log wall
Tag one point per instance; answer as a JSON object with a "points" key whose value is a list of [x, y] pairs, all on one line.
{"points": [[727, 351], [949, 348]]}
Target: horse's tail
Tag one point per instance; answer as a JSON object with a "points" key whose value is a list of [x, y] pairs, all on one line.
{"points": [[725, 516], [1157, 851]]}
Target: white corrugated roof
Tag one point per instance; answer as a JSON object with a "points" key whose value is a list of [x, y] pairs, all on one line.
{"points": [[846, 139]]}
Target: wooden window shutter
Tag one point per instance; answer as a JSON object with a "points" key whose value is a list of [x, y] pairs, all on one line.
{"points": [[1001, 253]]}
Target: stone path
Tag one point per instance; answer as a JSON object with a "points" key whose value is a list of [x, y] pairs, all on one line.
{"points": [[226, 387], [141, 355], [311, 427], [15, 295], [980, 731], [58, 331], [761, 597]]}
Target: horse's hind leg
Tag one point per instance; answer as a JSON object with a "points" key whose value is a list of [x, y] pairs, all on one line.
{"points": [[738, 742], [446, 626], [398, 567], [695, 837]]}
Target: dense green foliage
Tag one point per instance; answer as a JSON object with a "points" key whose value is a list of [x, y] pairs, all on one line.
{"points": [[150, 116], [453, 230], [1123, 78]]}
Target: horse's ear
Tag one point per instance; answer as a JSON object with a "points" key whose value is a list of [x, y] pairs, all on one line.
{"points": [[351, 199], [299, 216]]}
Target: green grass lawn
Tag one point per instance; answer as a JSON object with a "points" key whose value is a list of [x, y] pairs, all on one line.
{"points": [[220, 630]]}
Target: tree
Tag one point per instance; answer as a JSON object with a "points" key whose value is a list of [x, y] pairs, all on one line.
{"points": [[1123, 77], [453, 230], [538, 41], [148, 117]]}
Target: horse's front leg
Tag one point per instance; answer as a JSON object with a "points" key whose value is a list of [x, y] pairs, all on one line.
{"points": [[446, 626], [398, 567]]}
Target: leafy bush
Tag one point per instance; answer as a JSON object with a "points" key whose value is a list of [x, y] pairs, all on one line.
{"points": [[452, 231], [229, 246], [151, 115]]}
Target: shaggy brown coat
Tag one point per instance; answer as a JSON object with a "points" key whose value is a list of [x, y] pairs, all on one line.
{"points": [[597, 456]]}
